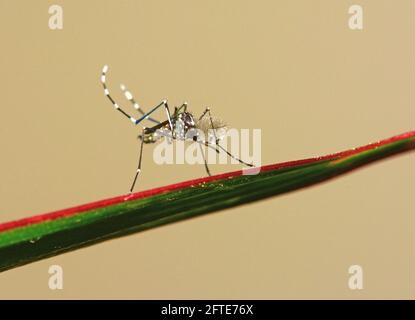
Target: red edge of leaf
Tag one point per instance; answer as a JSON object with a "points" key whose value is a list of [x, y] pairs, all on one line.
{"points": [[181, 185]]}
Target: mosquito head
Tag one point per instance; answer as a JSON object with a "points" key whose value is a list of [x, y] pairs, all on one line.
{"points": [[147, 138]]}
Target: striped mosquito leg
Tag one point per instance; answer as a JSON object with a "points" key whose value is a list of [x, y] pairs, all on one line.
{"points": [[233, 157], [207, 111], [129, 96], [218, 148], [166, 107], [204, 113], [184, 106], [213, 127], [107, 93], [204, 159], [139, 161]]}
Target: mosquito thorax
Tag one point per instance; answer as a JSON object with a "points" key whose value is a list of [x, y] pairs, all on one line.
{"points": [[188, 120]]}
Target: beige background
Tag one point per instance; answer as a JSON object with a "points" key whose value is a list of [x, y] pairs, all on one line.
{"points": [[292, 68]]}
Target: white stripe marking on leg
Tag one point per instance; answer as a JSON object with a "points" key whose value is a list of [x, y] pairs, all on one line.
{"points": [[128, 95]]}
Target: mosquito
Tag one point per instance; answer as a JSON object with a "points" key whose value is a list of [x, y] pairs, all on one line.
{"points": [[179, 125]]}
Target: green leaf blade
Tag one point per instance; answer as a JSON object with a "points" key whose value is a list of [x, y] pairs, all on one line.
{"points": [[44, 236]]}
